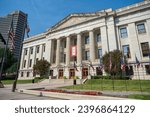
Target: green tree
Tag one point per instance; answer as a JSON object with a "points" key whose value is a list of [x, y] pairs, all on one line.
{"points": [[41, 67], [114, 57], [9, 59]]}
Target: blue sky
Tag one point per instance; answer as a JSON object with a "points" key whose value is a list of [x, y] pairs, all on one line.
{"points": [[42, 14]]}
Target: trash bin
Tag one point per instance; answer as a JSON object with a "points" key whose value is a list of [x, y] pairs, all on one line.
{"points": [[74, 82], [32, 80]]}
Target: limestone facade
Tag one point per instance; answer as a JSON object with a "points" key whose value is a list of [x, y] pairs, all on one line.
{"points": [[126, 29]]}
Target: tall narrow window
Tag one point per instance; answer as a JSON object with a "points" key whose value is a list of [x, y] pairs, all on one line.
{"points": [[86, 39], [43, 47], [31, 50], [28, 74], [123, 32], [99, 53], [126, 51], [87, 55], [98, 37], [141, 28], [64, 58], [37, 49], [26, 51], [24, 64], [145, 48], [30, 64]]}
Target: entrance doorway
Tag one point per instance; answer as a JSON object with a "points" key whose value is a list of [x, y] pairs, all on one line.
{"points": [[72, 73], [84, 73], [60, 74]]}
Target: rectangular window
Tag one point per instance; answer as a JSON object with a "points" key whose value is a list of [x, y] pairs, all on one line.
{"points": [[31, 50], [43, 47], [37, 49], [30, 64], [65, 43], [98, 38], [123, 32], [141, 28], [28, 73], [87, 39], [24, 64], [99, 53], [126, 51], [26, 51], [87, 55], [64, 58], [37, 60], [147, 67], [21, 74], [145, 48]]}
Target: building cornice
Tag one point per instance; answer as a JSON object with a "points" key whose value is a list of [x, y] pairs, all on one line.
{"points": [[34, 38]]}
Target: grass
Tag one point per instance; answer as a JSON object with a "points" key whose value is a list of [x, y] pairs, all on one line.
{"points": [[116, 85], [20, 81], [137, 96]]}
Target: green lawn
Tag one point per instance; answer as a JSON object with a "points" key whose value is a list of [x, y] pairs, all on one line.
{"points": [[116, 85], [20, 81], [137, 96]]}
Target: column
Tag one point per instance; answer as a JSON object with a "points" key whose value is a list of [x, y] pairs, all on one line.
{"points": [[92, 46], [79, 49], [68, 51], [58, 52]]}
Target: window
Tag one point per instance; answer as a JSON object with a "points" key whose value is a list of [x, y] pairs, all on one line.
{"points": [[44, 48], [64, 43], [31, 50], [99, 53], [37, 49], [64, 58], [141, 28], [87, 55], [147, 67], [28, 73], [26, 51], [145, 48], [37, 60], [21, 74], [123, 32], [86, 39], [30, 64], [24, 64], [126, 51], [98, 38]]}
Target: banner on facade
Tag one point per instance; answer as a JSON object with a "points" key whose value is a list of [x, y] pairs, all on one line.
{"points": [[73, 51]]}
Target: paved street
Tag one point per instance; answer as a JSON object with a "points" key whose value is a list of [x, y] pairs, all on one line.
{"points": [[7, 94]]}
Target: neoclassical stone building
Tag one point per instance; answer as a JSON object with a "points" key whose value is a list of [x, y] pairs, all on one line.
{"points": [[126, 29]]}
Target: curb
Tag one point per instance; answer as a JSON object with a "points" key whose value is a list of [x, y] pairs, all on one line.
{"points": [[68, 96]]}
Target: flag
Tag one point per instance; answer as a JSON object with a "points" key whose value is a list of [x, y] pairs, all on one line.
{"points": [[123, 65], [27, 30], [2, 39], [11, 36], [75, 66], [137, 62]]}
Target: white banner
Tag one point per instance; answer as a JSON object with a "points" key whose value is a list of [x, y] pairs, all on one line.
{"points": [[74, 108]]}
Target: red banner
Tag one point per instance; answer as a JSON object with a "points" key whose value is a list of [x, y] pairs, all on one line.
{"points": [[73, 51]]}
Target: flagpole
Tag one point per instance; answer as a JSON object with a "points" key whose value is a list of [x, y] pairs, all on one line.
{"points": [[139, 79]]}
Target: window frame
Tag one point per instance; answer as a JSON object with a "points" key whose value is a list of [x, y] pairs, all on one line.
{"points": [[141, 31], [128, 53], [144, 49], [87, 39], [123, 34]]}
